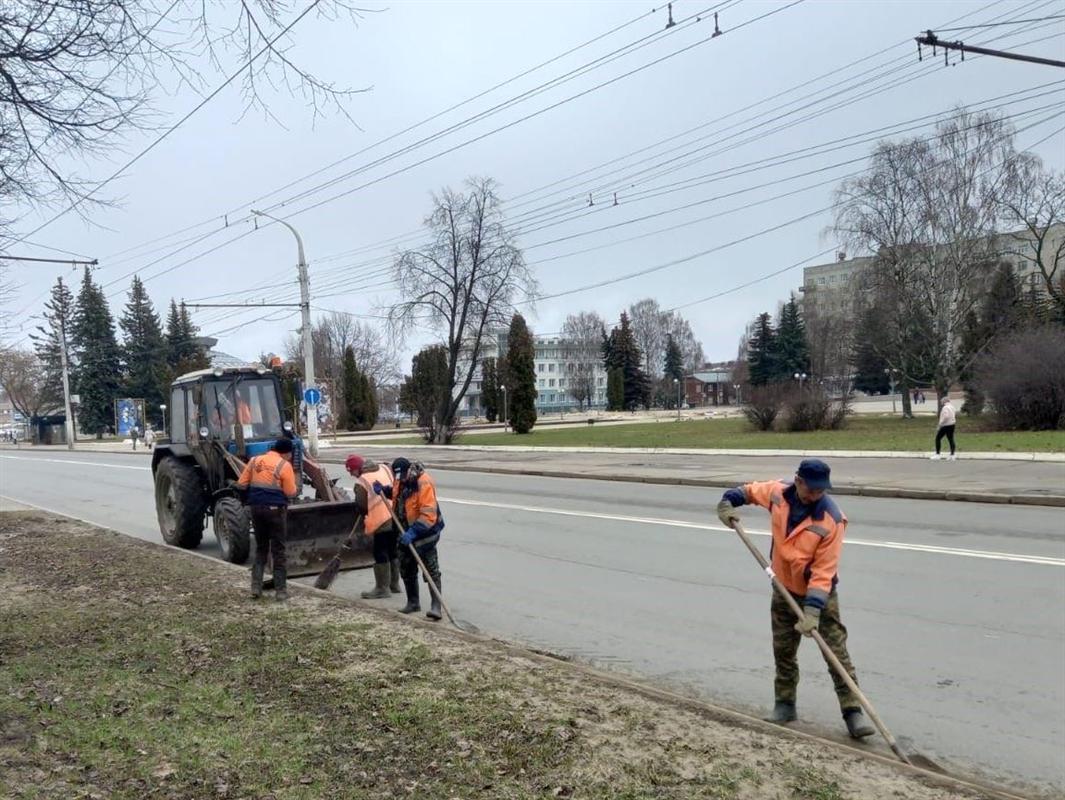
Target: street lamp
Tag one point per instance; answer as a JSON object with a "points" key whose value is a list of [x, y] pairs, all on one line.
{"points": [[736, 393], [676, 382], [504, 388], [800, 377], [891, 382], [162, 407]]}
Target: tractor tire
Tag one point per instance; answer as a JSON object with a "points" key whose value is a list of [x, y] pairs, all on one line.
{"points": [[233, 529], [180, 503]]}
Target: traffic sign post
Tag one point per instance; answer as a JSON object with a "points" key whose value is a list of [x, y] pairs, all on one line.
{"points": [[312, 396]]}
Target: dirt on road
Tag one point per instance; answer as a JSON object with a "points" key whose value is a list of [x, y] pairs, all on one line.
{"points": [[128, 670]]}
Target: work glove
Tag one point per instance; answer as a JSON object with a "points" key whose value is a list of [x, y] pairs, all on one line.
{"points": [[811, 618], [727, 513], [378, 488], [407, 537]]}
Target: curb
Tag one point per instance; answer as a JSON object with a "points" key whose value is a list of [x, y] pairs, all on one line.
{"points": [[715, 712]]}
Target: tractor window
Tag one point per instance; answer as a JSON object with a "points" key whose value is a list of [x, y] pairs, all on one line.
{"points": [[251, 403], [177, 415]]}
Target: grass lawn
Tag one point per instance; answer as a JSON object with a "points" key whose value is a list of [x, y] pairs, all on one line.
{"points": [[131, 672], [863, 432]]}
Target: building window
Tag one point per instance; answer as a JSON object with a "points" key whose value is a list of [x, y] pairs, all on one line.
{"points": [[551, 383], [598, 381], [551, 367], [821, 280], [539, 367], [540, 384]]}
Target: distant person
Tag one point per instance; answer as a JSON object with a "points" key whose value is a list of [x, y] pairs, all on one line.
{"points": [[916, 397], [947, 421], [134, 434], [149, 437], [807, 530]]}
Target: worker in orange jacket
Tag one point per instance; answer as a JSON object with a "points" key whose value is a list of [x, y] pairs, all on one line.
{"points": [[377, 522], [807, 528], [268, 484], [414, 494]]}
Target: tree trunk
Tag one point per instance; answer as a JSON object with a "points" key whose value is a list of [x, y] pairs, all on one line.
{"points": [[907, 408]]}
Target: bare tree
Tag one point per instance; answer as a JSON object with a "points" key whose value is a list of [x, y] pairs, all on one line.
{"points": [[691, 349], [23, 381], [77, 75], [1034, 202], [649, 331], [928, 209], [463, 284], [582, 347]]}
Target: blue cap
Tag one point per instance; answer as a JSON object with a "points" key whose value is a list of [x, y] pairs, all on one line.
{"points": [[815, 472]]}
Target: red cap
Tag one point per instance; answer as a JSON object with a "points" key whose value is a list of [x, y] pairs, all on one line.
{"points": [[354, 463]]}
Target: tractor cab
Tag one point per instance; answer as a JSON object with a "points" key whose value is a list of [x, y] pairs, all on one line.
{"points": [[220, 419]]}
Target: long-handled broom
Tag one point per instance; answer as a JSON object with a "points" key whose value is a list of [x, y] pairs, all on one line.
{"points": [[332, 569], [833, 660]]}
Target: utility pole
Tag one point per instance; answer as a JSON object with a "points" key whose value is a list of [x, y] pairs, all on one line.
{"points": [[69, 424], [308, 347], [933, 41]]}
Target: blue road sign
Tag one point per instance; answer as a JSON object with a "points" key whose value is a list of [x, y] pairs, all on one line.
{"points": [[312, 396]]}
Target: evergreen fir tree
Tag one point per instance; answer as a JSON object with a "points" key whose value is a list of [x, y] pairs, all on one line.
{"points": [[490, 389], [674, 361], [521, 361], [352, 391], [790, 351], [869, 365], [143, 351], [624, 354], [368, 398], [761, 350], [615, 389], [59, 316], [183, 353], [93, 339]]}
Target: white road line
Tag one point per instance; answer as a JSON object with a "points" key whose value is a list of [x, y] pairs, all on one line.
{"points": [[75, 461], [1050, 561]]}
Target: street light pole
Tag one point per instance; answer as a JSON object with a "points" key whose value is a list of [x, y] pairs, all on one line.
{"points": [[800, 377], [308, 346], [891, 382], [162, 407], [504, 388], [69, 424], [676, 383]]}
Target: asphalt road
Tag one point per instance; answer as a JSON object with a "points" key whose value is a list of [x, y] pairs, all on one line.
{"points": [[956, 610]]}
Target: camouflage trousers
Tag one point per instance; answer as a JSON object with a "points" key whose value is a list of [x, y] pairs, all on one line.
{"points": [[408, 567], [786, 649]]}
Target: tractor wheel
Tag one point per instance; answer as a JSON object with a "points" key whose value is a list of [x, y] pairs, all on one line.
{"points": [[233, 529], [179, 503]]}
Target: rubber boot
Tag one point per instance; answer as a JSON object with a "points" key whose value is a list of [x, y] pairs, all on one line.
{"points": [[413, 603], [256, 580], [380, 576], [857, 727], [280, 581], [434, 607], [782, 712], [393, 585]]}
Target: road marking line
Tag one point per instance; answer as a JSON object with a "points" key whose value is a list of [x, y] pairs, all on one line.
{"points": [[1050, 561], [75, 461]]}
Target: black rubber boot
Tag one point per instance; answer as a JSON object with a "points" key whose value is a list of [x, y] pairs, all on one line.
{"points": [[857, 727], [413, 603], [380, 589], [256, 580], [434, 607], [782, 712], [280, 583], [393, 585]]}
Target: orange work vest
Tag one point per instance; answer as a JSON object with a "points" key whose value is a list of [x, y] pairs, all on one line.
{"points": [[377, 513]]}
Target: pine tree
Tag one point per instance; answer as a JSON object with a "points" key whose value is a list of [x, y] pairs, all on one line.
{"points": [[59, 316], [615, 389], [791, 354], [624, 354], [428, 386], [99, 357], [490, 389], [367, 416], [183, 353], [352, 391], [674, 361], [761, 350], [521, 360], [143, 351], [869, 365]]}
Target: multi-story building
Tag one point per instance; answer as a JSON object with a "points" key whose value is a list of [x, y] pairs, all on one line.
{"points": [[555, 366]]}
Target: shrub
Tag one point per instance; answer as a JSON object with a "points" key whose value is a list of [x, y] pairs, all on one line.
{"points": [[1023, 378], [812, 409], [764, 405]]}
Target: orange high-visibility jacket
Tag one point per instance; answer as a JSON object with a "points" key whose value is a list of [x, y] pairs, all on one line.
{"points": [[243, 412], [377, 513], [269, 480], [806, 559], [420, 509]]}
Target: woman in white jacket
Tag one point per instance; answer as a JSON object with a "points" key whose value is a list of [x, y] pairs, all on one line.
{"points": [[947, 421]]}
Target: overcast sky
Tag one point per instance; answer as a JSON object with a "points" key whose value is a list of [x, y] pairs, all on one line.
{"points": [[421, 58]]}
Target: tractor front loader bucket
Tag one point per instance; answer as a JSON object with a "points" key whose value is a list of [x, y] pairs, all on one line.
{"points": [[317, 530]]}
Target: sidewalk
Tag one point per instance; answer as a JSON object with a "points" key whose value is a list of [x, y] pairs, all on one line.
{"points": [[1022, 478]]}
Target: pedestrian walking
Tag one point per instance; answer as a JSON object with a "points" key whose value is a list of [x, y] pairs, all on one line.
{"points": [[807, 530], [377, 523], [270, 484], [414, 493], [947, 422], [134, 434], [149, 437]]}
